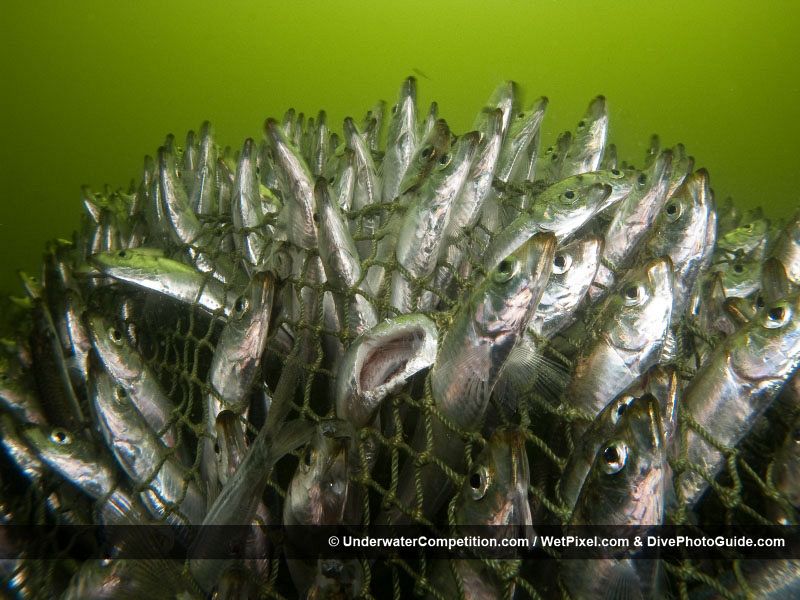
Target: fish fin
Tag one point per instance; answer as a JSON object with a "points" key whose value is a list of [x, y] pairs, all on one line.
{"points": [[292, 435], [157, 578], [529, 369], [623, 583]]}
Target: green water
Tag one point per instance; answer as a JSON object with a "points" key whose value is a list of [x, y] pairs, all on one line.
{"points": [[88, 88]]}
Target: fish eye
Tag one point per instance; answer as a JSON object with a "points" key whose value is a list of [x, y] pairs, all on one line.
{"points": [[115, 335], [444, 160], [479, 482], [738, 268], [119, 393], [581, 124], [521, 115], [315, 217], [760, 302], [777, 316], [749, 227], [549, 150], [642, 179], [332, 179], [569, 195], [554, 157], [561, 263], [614, 457], [60, 437], [633, 295], [426, 152], [616, 173], [673, 210], [241, 305], [122, 254], [506, 269]]}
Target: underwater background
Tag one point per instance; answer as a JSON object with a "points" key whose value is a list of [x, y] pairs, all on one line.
{"points": [[88, 88]]}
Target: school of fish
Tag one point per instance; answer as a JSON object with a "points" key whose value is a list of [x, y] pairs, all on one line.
{"points": [[394, 323]]}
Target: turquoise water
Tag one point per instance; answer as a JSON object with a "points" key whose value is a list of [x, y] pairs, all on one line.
{"points": [[88, 88]]}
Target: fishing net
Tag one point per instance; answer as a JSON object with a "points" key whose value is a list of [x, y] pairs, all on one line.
{"points": [[178, 340]]}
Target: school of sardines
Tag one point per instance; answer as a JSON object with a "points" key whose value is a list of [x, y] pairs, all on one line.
{"points": [[450, 329]]}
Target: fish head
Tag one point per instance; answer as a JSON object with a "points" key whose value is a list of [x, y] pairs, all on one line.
{"points": [[317, 494], [495, 491], [403, 122], [512, 290], [112, 347], [625, 485], [746, 237], [741, 278], [769, 346], [70, 454], [577, 262], [505, 97], [621, 182], [641, 306], [592, 129]]}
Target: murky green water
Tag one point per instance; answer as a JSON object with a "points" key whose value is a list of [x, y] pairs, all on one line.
{"points": [[87, 88]]}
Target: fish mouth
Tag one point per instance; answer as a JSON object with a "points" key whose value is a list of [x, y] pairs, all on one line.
{"points": [[409, 88], [597, 108]]}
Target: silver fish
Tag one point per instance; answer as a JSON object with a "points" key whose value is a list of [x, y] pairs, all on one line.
{"points": [[494, 494], [76, 460], [381, 361], [128, 370], [633, 218], [149, 269], [626, 485], [681, 231], [401, 141], [589, 141], [420, 236], [626, 337], [743, 375], [574, 267], [171, 493]]}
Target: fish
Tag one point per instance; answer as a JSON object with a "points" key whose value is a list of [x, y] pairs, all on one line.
{"points": [[380, 362], [746, 241], [563, 208], [574, 268], [296, 218], [743, 374], [589, 141], [170, 494], [786, 249], [129, 371], [625, 337], [626, 485], [75, 459], [495, 495], [633, 218], [470, 360], [401, 140], [342, 266], [420, 235], [149, 269]]}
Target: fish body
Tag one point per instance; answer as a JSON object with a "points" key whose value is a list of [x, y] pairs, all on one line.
{"points": [[735, 386]]}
